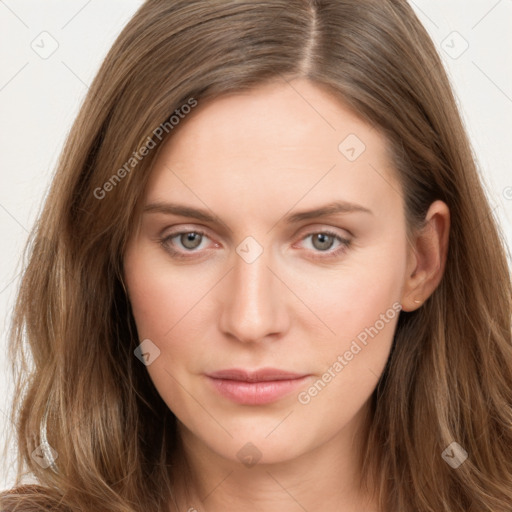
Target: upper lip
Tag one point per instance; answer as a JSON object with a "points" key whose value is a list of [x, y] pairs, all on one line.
{"points": [[261, 375]]}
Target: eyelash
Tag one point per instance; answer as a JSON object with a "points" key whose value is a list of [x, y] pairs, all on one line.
{"points": [[344, 244]]}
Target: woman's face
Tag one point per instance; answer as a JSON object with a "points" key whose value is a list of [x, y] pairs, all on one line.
{"points": [[268, 271]]}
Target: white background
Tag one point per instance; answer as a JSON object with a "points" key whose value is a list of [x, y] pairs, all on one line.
{"points": [[39, 98]]}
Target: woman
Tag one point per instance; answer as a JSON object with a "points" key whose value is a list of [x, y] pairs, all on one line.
{"points": [[261, 278]]}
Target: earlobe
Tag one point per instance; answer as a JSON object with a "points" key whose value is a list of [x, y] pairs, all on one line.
{"points": [[429, 252]]}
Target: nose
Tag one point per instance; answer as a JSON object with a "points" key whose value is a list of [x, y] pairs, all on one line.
{"points": [[253, 307]]}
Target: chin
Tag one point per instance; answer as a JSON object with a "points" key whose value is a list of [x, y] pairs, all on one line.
{"points": [[260, 441]]}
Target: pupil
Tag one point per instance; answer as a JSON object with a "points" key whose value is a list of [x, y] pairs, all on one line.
{"points": [[191, 240], [322, 241]]}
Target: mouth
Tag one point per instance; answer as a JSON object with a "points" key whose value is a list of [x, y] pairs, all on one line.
{"points": [[257, 387]]}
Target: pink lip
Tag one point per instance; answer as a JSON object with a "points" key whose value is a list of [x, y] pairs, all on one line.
{"points": [[255, 387]]}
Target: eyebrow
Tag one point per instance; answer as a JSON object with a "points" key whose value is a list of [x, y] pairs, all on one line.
{"points": [[328, 209], [203, 215]]}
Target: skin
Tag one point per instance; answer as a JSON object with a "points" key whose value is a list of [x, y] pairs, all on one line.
{"points": [[251, 160]]}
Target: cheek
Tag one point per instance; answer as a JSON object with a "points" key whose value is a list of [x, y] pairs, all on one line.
{"points": [[349, 365], [353, 296], [171, 308], [163, 303], [161, 297], [360, 303]]}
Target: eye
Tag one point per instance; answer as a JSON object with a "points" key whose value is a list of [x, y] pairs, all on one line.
{"points": [[190, 240], [183, 242], [324, 241]]}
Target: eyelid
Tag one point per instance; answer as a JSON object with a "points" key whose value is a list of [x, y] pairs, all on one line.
{"points": [[180, 229], [325, 232], [307, 232], [341, 233], [185, 230], [344, 244]]}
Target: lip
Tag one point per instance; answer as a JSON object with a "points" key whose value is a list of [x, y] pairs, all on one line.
{"points": [[255, 387]]}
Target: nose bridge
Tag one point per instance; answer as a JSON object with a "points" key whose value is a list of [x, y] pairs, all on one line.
{"points": [[253, 306]]}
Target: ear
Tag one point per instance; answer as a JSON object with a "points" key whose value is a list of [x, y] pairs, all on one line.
{"points": [[426, 257]]}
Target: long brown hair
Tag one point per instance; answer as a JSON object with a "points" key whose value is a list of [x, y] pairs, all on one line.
{"points": [[449, 375]]}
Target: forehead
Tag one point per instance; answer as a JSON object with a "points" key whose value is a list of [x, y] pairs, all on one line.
{"points": [[271, 147]]}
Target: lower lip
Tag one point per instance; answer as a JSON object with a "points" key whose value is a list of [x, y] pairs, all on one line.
{"points": [[256, 393]]}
